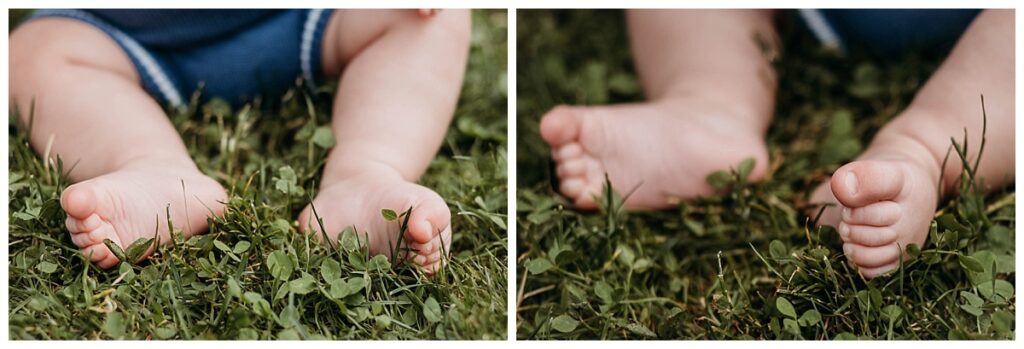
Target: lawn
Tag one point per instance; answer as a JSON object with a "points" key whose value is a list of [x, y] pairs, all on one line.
{"points": [[745, 264], [252, 276]]}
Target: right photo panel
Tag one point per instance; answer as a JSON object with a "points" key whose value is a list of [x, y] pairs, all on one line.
{"points": [[765, 174]]}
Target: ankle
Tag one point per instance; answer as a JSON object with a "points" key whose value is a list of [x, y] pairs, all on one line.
{"points": [[731, 115], [359, 169], [159, 162]]}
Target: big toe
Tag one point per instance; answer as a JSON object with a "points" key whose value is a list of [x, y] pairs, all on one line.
{"points": [[861, 183], [559, 126], [429, 220], [79, 200]]}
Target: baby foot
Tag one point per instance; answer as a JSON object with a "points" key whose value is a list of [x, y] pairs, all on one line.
{"points": [[884, 205], [131, 204], [661, 149], [357, 202]]}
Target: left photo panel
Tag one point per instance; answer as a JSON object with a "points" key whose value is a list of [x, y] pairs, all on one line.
{"points": [[257, 174]]}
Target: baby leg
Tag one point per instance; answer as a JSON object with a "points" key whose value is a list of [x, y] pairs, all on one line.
{"points": [[888, 196], [128, 163], [709, 84], [400, 77]]}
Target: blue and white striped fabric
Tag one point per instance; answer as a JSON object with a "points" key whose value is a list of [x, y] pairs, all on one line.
{"points": [[888, 31], [233, 54]]}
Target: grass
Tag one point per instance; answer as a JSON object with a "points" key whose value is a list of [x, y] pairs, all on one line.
{"points": [[745, 264], [252, 275]]}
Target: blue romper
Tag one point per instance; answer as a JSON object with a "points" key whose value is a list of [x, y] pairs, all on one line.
{"points": [[889, 31], [233, 54]]}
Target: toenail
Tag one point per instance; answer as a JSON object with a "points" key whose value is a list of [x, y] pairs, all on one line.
{"points": [[572, 187], [848, 251], [569, 151], [425, 248], [851, 182], [71, 224], [844, 231]]}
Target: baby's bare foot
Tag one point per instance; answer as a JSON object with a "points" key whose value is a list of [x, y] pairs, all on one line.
{"points": [[885, 201], [665, 150], [131, 204], [357, 202]]}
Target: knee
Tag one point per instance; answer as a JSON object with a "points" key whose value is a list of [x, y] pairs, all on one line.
{"points": [[454, 25], [32, 54], [30, 48], [351, 31], [45, 53], [43, 48], [457, 24]]}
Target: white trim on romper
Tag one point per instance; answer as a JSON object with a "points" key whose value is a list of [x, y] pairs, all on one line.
{"points": [[306, 49], [159, 78], [148, 63], [821, 29], [134, 49]]}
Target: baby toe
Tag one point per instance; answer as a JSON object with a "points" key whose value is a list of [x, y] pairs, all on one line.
{"points": [[567, 152], [76, 225], [879, 214], [870, 273], [108, 262], [871, 257], [587, 199], [844, 231], [436, 257], [431, 249], [97, 252], [867, 235], [92, 223], [85, 238], [72, 224], [432, 268], [96, 236], [415, 258], [572, 187], [425, 248], [426, 259], [571, 168]]}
